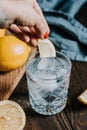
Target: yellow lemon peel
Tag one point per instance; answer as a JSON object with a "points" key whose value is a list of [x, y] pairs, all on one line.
{"points": [[13, 53]]}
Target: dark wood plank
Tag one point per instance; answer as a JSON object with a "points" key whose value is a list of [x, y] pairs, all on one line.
{"points": [[75, 111]]}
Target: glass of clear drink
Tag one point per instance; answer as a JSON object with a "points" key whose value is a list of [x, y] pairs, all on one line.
{"points": [[48, 82]]}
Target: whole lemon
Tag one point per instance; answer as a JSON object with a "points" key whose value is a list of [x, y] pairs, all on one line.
{"points": [[2, 32], [13, 53]]}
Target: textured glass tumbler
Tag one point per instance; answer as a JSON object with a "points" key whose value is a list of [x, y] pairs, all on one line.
{"points": [[48, 82]]}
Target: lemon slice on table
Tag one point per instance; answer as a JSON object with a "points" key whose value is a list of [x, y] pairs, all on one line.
{"points": [[12, 116], [83, 97], [46, 48]]}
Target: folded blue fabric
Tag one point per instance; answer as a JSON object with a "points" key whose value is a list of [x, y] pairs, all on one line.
{"points": [[68, 34]]}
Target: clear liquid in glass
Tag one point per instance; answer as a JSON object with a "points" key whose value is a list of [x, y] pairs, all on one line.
{"points": [[48, 81]]}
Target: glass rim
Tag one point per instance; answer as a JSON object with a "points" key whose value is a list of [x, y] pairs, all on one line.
{"points": [[33, 77]]}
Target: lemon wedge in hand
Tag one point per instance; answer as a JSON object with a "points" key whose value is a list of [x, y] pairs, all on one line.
{"points": [[12, 116], [83, 97], [46, 48]]}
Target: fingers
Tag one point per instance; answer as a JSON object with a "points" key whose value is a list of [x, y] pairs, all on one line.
{"points": [[32, 16], [32, 19], [30, 31], [34, 42], [18, 33], [29, 15], [38, 10], [26, 13], [24, 33]]}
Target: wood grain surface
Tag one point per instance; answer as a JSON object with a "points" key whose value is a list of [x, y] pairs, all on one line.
{"points": [[9, 80], [75, 111]]}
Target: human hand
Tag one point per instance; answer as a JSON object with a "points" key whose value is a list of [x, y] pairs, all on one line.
{"points": [[24, 19]]}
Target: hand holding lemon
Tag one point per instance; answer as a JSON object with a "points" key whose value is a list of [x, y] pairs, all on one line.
{"points": [[24, 19]]}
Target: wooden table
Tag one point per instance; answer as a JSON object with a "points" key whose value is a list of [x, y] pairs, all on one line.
{"points": [[74, 116]]}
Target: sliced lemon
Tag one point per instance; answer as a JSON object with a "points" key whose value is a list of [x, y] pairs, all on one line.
{"points": [[46, 48], [83, 97], [12, 116]]}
